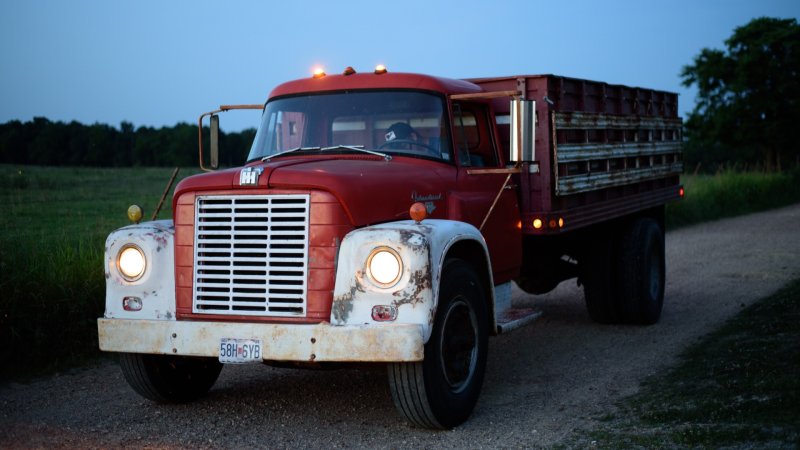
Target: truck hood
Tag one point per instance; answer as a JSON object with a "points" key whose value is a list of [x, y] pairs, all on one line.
{"points": [[370, 190]]}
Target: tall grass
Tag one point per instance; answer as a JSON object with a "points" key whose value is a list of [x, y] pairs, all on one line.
{"points": [[52, 289], [732, 193]]}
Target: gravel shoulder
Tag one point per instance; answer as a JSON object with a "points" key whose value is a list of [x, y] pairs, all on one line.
{"points": [[544, 382]]}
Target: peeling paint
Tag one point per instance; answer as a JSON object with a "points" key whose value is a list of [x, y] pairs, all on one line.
{"points": [[418, 282]]}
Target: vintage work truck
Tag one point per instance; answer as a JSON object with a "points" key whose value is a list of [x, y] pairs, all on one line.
{"points": [[383, 217]]}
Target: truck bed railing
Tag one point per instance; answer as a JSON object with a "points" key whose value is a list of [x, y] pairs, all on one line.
{"points": [[594, 151]]}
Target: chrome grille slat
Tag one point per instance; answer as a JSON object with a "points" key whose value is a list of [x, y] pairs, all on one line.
{"points": [[251, 255]]}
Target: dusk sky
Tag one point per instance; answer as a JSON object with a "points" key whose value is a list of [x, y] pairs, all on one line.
{"points": [[156, 63]]}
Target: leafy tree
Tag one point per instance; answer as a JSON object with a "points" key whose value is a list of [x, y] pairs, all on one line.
{"points": [[748, 103]]}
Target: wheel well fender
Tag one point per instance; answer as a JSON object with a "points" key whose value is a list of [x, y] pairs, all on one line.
{"points": [[423, 248]]}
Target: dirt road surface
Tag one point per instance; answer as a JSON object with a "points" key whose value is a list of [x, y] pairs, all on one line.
{"points": [[543, 383]]}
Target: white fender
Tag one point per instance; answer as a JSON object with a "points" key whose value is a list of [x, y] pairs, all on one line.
{"points": [[422, 248], [156, 288]]}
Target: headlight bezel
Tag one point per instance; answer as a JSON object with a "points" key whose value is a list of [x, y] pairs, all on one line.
{"points": [[376, 278], [125, 275]]}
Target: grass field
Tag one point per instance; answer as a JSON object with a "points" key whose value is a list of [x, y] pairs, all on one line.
{"points": [[56, 220], [731, 193], [736, 388], [54, 226]]}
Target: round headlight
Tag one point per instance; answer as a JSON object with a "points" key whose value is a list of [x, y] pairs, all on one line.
{"points": [[131, 262], [385, 266]]}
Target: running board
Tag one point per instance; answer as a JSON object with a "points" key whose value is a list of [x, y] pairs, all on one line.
{"points": [[514, 318], [507, 317]]}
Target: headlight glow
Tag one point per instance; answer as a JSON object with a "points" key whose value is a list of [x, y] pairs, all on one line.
{"points": [[384, 267], [131, 262]]}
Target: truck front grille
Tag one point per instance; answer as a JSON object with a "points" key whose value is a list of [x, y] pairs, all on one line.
{"points": [[251, 254]]}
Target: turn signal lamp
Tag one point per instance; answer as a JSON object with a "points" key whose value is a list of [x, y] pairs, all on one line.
{"points": [[135, 213], [418, 212], [537, 224], [380, 69], [132, 304], [319, 72], [560, 222], [384, 313]]}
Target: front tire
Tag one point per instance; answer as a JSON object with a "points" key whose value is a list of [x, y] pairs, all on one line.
{"points": [[441, 391], [167, 378]]}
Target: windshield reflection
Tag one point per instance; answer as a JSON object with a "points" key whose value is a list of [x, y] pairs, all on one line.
{"points": [[388, 122]]}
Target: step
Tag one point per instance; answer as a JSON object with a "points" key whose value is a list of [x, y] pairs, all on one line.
{"points": [[513, 318]]}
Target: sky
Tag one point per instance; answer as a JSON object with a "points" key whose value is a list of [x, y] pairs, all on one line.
{"points": [[158, 63]]}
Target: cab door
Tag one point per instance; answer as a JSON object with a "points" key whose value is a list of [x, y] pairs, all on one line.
{"points": [[482, 179]]}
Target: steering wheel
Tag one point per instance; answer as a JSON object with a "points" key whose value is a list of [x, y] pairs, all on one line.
{"points": [[427, 147]]}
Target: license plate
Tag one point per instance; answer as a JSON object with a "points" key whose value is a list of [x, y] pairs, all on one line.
{"points": [[239, 351]]}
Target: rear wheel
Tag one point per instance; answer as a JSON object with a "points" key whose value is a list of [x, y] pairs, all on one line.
{"points": [[441, 391], [167, 378], [599, 279], [642, 270]]}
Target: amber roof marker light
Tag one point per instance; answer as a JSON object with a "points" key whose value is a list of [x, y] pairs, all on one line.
{"points": [[380, 69], [319, 72]]}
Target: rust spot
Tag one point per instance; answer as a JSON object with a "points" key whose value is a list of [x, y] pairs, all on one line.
{"points": [[418, 282], [343, 305]]}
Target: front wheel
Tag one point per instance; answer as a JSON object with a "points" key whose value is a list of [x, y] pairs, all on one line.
{"points": [[441, 391], [167, 378]]}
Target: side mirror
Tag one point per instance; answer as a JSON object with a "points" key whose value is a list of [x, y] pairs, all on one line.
{"points": [[523, 130], [214, 121], [213, 117]]}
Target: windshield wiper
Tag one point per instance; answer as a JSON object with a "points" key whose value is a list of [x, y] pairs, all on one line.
{"points": [[358, 148], [291, 150]]}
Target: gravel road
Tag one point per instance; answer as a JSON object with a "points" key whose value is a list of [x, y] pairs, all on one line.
{"points": [[544, 381]]}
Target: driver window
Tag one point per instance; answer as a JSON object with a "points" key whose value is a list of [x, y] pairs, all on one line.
{"points": [[472, 136]]}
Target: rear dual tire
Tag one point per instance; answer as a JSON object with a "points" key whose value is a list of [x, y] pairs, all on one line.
{"points": [[624, 275]]}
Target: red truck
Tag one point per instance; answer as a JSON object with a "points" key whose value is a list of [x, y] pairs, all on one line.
{"points": [[383, 217]]}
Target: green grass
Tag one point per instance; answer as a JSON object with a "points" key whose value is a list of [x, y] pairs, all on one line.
{"points": [[54, 225], [731, 193], [739, 387]]}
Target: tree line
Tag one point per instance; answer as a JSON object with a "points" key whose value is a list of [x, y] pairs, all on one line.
{"points": [[44, 142], [748, 102]]}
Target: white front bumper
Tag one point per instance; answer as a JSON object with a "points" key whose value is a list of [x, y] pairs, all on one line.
{"points": [[281, 342]]}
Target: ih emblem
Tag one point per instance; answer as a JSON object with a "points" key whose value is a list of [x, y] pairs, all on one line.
{"points": [[249, 176]]}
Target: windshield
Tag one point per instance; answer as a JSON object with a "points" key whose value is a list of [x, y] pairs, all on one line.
{"points": [[392, 122]]}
